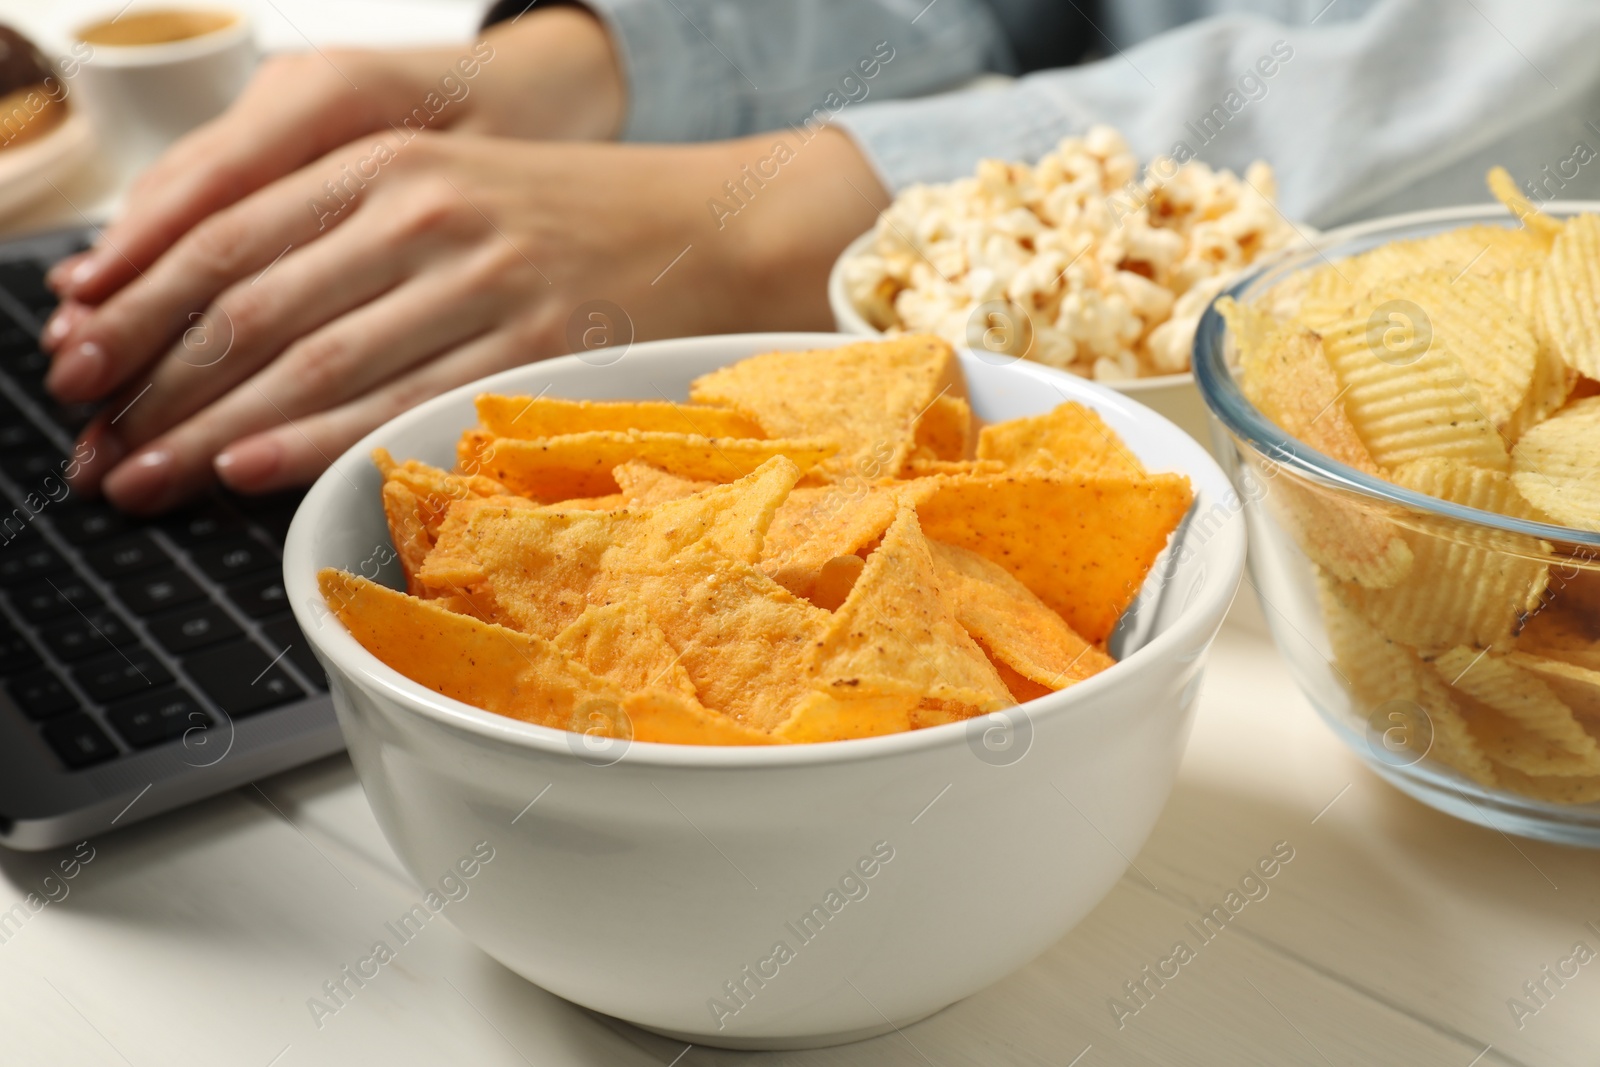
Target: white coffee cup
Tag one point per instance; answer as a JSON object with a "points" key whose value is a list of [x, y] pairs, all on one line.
{"points": [[149, 75]]}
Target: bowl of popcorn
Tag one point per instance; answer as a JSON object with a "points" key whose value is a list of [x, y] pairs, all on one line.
{"points": [[1412, 416], [1081, 262]]}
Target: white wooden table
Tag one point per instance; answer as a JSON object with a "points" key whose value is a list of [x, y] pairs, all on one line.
{"points": [[1396, 935]]}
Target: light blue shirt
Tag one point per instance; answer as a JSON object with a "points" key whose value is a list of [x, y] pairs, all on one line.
{"points": [[1363, 107]]}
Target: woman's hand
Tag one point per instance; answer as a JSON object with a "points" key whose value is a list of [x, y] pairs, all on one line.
{"points": [[278, 331], [550, 74]]}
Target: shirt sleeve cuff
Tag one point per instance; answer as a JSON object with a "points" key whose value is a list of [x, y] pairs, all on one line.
{"points": [[680, 87], [942, 138]]}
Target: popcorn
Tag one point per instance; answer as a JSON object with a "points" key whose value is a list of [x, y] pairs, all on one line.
{"points": [[1114, 272]]}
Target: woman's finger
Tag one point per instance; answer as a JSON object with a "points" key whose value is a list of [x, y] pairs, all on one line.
{"points": [[296, 452], [297, 108], [248, 239], [260, 323]]}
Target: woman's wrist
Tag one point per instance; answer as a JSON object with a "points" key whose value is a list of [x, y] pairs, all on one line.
{"points": [[550, 74], [790, 203]]}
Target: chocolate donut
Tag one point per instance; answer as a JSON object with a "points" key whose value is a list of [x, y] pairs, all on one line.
{"points": [[33, 98]]}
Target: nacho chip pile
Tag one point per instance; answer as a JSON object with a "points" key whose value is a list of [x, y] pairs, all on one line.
{"points": [[818, 546], [1464, 366]]}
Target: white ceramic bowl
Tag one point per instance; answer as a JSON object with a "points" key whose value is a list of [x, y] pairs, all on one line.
{"points": [[1172, 395], [643, 880]]}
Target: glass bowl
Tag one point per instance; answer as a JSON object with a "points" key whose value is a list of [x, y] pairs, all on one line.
{"points": [[1319, 529]]}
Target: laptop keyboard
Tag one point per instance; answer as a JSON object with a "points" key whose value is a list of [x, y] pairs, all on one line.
{"points": [[119, 634]]}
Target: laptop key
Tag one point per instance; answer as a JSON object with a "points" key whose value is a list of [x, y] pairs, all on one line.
{"points": [[24, 563], [78, 741], [86, 521], [16, 432], [157, 591], [16, 655], [231, 556], [261, 597], [81, 636], [126, 555], [192, 627], [152, 718], [285, 633], [41, 695], [49, 598], [31, 467], [195, 527], [121, 673], [241, 678]]}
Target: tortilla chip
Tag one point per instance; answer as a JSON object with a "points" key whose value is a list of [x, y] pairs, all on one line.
{"points": [[1081, 543], [1014, 626], [434, 490], [867, 397], [823, 716], [643, 485], [488, 666], [743, 639], [411, 542], [671, 718], [540, 569], [944, 432], [529, 418], [620, 641], [1071, 437], [815, 525], [923, 467], [897, 630], [580, 465], [835, 580]]}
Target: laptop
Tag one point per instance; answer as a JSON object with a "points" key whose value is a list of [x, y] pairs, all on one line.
{"points": [[144, 663]]}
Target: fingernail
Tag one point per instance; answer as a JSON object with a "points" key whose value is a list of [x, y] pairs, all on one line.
{"points": [[56, 275], [97, 452], [77, 372], [61, 323], [248, 465], [82, 272], [142, 483]]}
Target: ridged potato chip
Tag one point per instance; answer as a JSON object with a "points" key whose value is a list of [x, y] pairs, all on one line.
{"points": [[1406, 393], [1380, 672], [1556, 465], [1522, 697], [1285, 374], [1556, 790], [1465, 586], [1487, 333], [1577, 686], [1535, 222], [1557, 633], [1569, 295], [1509, 743]]}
